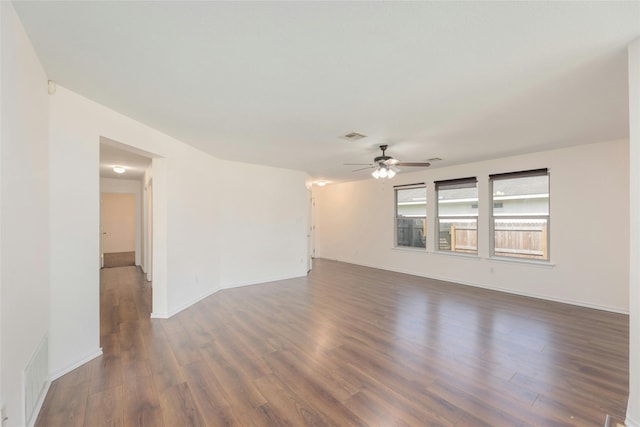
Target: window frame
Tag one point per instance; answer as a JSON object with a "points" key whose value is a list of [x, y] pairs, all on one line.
{"points": [[453, 184], [397, 217], [493, 217]]}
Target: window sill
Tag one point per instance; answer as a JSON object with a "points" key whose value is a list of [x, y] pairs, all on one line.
{"points": [[458, 255], [533, 263], [409, 249]]}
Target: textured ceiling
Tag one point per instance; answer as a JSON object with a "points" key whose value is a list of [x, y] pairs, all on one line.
{"points": [[278, 83]]}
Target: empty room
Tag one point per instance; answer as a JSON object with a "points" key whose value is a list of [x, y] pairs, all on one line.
{"points": [[320, 213]]}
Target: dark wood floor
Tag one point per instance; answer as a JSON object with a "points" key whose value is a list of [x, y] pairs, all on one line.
{"points": [[346, 346]]}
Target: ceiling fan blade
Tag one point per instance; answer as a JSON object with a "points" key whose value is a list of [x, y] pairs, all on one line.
{"points": [[361, 169], [424, 165], [392, 162]]}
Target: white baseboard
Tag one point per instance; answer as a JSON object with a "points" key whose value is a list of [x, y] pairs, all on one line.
{"points": [[159, 315], [493, 288], [190, 303], [38, 407], [55, 375], [171, 313], [264, 280], [538, 296]]}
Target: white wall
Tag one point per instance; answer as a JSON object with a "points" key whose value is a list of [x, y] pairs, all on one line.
{"points": [[633, 408], [2, 120], [147, 221], [589, 227], [265, 224], [192, 209], [24, 277], [192, 206], [129, 186]]}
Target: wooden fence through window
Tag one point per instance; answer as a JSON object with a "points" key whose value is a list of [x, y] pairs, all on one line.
{"points": [[516, 239]]}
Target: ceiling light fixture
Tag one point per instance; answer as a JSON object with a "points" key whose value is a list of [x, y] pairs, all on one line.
{"points": [[321, 183], [384, 171], [119, 169]]}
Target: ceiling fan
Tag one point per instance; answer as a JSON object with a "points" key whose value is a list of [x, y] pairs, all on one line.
{"points": [[385, 166]]}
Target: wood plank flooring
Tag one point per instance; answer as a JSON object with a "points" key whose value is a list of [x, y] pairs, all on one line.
{"points": [[346, 346]]}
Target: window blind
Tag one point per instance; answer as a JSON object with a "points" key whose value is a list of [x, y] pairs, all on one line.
{"points": [[456, 183], [414, 185], [521, 174]]}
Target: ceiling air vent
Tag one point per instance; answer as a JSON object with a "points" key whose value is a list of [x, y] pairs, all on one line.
{"points": [[353, 136]]}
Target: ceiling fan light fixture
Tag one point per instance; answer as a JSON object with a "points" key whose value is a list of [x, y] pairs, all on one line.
{"points": [[384, 171], [386, 166]]}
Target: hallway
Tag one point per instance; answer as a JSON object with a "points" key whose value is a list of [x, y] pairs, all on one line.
{"points": [[117, 384]]}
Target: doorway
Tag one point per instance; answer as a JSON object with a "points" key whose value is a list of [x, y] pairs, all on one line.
{"points": [[310, 231], [148, 230], [118, 214], [124, 230]]}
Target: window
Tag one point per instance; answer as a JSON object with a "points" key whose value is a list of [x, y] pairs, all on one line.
{"points": [[411, 215], [520, 214], [458, 215]]}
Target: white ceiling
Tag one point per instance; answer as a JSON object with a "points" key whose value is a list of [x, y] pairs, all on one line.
{"points": [[114, 154], [278, 83]]}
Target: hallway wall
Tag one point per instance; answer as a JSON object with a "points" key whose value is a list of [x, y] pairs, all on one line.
{"points": [[24, 222]]}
